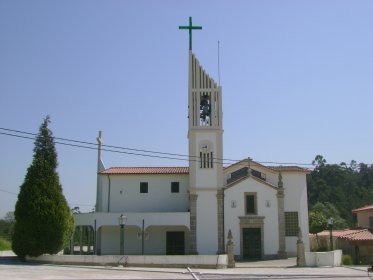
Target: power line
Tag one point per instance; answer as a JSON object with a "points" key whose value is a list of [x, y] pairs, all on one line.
{"points": [[139, 152], [70, 203], [2, 190]]}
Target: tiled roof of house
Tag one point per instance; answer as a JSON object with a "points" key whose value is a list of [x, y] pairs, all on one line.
{"points": [[146, 170], [180, 170], [358, 235], [350, 234], [365, 208]]}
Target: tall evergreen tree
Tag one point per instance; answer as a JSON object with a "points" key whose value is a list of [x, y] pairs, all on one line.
{"points": [[43, 221]]}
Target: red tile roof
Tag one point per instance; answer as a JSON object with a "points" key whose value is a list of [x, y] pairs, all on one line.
{"points": [[359, 235], [365, 208], [350, 234], [146, 170], [181, 170]]}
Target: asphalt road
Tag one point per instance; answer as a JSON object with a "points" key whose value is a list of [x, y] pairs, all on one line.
{"points": [[13, 269]]}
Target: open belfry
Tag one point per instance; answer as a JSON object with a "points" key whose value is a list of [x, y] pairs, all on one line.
{"points": [[191, 209]]}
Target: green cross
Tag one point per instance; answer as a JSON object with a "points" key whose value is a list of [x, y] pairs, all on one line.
{"points": [[190, 27]]}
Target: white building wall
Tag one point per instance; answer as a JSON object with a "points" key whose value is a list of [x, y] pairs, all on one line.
{"points": [[265, 193], [207, 177], [110, 240], [124, 193], [295, 185], [363, 218], [207, 224]]}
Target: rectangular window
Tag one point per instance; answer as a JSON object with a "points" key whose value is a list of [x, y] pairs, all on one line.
{"points": [[175, 187], [250, 204], [371, 221], [144, 187], [291, 223]]}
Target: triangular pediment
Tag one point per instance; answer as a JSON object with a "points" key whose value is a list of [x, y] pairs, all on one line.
{"points": [[249, 178]]}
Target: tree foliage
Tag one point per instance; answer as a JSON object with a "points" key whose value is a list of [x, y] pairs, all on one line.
{"points": [[336, 189], [43, 221], [318, 222]]}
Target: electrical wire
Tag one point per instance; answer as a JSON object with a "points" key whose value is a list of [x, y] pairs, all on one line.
{"points": [[2, 190], [140, 152]]}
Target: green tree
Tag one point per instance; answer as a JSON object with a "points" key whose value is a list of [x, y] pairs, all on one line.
{"points": [[317, 223], [329, 210], [43, 221]]}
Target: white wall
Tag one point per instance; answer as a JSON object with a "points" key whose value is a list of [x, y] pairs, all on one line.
{"points": [[363, 218], [155, 244], [270, 214], [125, 193], [207, 223], [207, 177], [295, 186]]}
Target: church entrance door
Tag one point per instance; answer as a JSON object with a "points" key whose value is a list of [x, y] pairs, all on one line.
{"points": [[175, 243], [252, 244]]}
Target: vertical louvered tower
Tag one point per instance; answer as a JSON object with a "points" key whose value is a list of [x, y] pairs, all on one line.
{"points": [[205, 165]]}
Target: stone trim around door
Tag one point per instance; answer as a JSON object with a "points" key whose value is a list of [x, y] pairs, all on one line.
{"points": [[251, 221]]}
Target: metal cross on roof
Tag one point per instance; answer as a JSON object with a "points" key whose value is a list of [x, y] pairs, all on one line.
{"points": [[190, 27]]}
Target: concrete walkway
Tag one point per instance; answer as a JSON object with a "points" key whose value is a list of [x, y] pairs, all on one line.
{"points": [[13, 269], [290, 262], [7, 254]]}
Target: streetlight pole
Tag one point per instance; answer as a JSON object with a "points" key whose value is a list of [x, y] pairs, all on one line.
{"points": [[330, 224], [122, 221]]}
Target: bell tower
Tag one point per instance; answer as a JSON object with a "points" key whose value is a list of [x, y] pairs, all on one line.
{"points": [[205, 136]]}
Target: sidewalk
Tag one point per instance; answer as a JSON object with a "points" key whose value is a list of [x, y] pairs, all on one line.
{"points": [[7, 254], [290, 262], [272, 269]]}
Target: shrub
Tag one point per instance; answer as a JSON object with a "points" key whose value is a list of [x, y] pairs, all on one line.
{"points": [[346, 260], [322, 249]]}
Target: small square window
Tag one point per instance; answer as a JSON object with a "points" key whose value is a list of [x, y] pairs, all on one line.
{"points": [[144, 187], [371, 221], [175, 187]]}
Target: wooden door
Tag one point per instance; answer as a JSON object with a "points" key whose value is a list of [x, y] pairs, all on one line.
{"points": [[175, 243], [252, 243]]}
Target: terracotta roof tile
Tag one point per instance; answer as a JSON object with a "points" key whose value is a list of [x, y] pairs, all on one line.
{"points": [[365, 208], [359, 235], [146, 170], [350, 234]]}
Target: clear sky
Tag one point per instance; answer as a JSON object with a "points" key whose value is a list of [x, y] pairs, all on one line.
{"points": [[297, 79]]}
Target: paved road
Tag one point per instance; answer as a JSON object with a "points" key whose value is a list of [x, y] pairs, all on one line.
{"points": [[14, 269]]}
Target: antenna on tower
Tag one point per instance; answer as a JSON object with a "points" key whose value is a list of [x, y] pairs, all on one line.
{"points": [[219, 61]]}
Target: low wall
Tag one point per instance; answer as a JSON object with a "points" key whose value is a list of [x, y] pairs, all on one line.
{"points": [[332, 258], [194, 261]]}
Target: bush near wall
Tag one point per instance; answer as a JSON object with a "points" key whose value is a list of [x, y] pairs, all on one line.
{"points": [[346, 260]]}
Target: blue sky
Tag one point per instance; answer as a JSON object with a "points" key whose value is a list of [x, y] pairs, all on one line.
{"points": [[296, 78]]}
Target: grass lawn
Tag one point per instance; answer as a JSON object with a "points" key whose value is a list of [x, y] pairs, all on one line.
{"points": [[5, 245]]}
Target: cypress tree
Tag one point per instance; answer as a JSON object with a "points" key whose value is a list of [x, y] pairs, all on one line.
{"points": [[43, 221]]}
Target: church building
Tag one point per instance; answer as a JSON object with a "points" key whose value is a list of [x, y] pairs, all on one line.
{"points": [[191, 209]]}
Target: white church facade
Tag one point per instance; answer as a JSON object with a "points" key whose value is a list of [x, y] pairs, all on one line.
{"points": [[191, 209]]}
